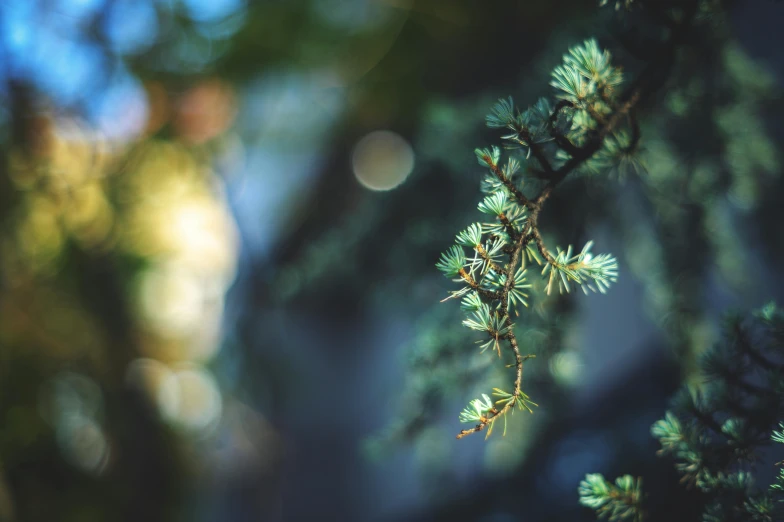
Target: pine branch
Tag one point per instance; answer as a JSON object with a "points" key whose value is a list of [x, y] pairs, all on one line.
{"points": [[589, 119]]}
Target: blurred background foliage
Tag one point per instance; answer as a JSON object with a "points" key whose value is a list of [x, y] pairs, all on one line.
{"points": [[218, 226]]}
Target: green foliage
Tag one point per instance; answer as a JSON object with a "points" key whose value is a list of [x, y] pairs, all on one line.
{"points": [[619, 501], [585, 270], [488, 157], [477, 409], [715, 433], [515, 295], [470, 237], [521, 400], [587, 80], [626, 4], [557, 139], [452, 261], [503, 114], [586, 86], [498, 204], [618, 156], [777, 488]]}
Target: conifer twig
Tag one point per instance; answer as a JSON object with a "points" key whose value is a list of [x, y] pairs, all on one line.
{"points": [[587, 83]]}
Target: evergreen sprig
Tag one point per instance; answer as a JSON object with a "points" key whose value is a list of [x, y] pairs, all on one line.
{"points": [[516, 295], [589, 272], [477, 410], [590, 125], [619, 501], [581, 128], [452, 261]]}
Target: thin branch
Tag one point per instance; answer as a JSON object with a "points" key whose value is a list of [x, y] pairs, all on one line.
{"points": [[484, 255], [504, 310], [508, 227], [562, 141], [537, 237], [487, 294], [499, 173], [536, 150]]}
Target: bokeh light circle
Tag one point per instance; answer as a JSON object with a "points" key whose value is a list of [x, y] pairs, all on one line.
{"points": [[158, 381], [83, 443], [382, 160], [187, 395], [200, 403]]}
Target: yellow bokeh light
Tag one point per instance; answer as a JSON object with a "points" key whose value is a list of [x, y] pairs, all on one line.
{"points": [[175, 216], [200, 404], [179, 304]]}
